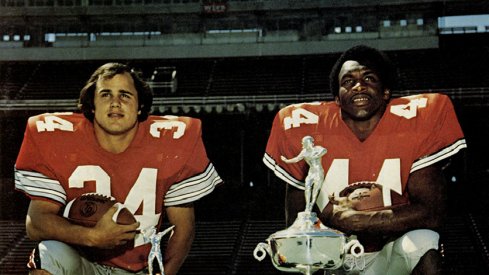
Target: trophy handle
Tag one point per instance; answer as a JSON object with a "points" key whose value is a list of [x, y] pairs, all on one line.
{"points": [[353, 246], [261, 251]]}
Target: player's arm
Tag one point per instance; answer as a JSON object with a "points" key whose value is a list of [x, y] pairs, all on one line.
{"points": [[180, 242], [44, 223], [427, 208]]}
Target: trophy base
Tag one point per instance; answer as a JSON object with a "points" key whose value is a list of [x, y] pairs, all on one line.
{"points": [[307, 246], [307, 221]]}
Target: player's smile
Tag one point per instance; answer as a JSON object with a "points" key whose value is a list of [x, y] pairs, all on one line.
{"points": [[361, 94], [360, 100]]}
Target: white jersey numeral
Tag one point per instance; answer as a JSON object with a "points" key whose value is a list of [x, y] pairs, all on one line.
{"points": [[94, 173], [158, 125], [141, 196], [52, 123], [300, 116], [409, 110], [336, 180]]}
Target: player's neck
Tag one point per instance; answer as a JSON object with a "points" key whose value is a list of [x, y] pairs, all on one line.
{"points": [[362, 129], [115, 143]]}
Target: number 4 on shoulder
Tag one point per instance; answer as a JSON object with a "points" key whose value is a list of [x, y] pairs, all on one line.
{"points": [[300, 116], [409, 110], [52, 122]]}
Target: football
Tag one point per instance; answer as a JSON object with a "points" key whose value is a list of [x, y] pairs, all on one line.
{"points": [[363, 196], [87, 209]]}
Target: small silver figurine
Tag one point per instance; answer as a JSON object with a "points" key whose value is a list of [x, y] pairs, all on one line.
{"points": [[312, 155], [155, 239]]}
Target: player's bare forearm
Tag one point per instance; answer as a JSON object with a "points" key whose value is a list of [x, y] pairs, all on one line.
{"points": [[384, 222], [176, 251], [181, 240], [44, 223], [427, 208]]}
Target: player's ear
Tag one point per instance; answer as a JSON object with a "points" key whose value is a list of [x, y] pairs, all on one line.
{"points": [[387, 94], [337, 100]]}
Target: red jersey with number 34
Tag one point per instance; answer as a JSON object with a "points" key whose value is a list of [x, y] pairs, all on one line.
{"points": [[415, 132], [165, 165]]}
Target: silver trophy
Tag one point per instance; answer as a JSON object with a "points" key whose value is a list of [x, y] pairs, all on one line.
{"points": [[155, 252], [308, 245]]}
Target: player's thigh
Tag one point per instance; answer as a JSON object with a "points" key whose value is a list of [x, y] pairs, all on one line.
{"points": [[408, 249], [59, 258]]}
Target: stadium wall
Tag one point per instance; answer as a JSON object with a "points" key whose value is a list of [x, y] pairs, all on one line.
{"points": [[210, 50]]}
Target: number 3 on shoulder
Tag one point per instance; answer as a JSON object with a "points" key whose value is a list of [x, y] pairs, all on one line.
{"points": [[300, 116], [158, 125]]}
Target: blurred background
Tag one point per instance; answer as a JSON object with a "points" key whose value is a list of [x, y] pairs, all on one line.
{"points": [[233, 64]]}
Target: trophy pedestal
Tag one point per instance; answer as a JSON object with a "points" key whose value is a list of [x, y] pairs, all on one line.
{"points": [[306, 246]]}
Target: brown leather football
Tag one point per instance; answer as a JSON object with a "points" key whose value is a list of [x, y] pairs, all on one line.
{"points": [[364, 196], [87, 210]]}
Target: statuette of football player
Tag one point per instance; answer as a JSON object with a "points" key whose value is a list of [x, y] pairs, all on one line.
{"points": [[312, 154]]}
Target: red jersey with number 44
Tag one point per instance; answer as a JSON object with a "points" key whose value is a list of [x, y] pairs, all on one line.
{"points": [[415, 132], [165, 165]]}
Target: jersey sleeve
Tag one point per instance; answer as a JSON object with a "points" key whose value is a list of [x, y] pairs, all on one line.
{"points": [[445, 137], [32, 174], [279, 144], [198, 176]]}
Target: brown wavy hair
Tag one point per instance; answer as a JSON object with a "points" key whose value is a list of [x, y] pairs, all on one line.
{"points": [[107, 71]]}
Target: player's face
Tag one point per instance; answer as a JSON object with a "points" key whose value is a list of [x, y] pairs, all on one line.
{"points": [[116, 104], [361, 95]]}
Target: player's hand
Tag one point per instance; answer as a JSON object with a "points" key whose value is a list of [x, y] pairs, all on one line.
{"points": [[351, 221], [343, 217], [340, 203], [108, 234]]}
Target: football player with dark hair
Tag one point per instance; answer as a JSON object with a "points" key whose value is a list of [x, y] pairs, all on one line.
{"points": [[383, 171], [145, 95], [154, 165]]}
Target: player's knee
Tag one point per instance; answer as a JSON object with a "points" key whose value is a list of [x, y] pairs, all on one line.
{"points": [[414, 244], [58, 258], [417, 241]]}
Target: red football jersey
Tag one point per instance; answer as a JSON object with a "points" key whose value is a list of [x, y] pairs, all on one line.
{"points": [[165, 165], [415, 132]]}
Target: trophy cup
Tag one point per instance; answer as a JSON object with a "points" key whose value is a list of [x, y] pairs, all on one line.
{"points": [[155, 252], [308, 245]]}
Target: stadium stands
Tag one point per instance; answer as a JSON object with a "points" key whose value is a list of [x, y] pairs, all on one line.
{"points": [[420, 70]]}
